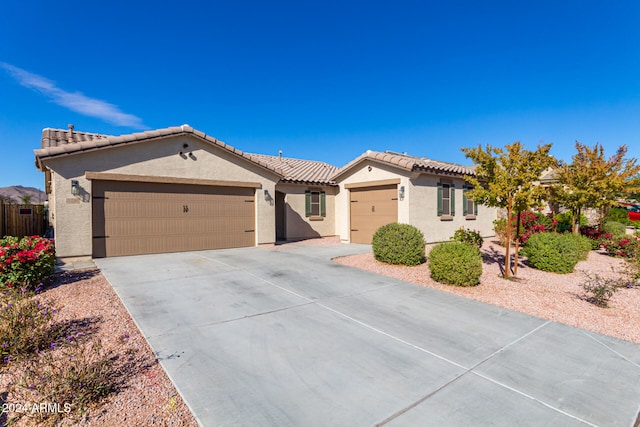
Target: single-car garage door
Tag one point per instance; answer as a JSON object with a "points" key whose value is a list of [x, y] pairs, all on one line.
{"points": [[371, 208], [132, 218]]}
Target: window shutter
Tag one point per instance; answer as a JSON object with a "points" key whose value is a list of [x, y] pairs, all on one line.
{"points": [[323, 204], [439, 199], [307, 203], [475, 208], [453, 200], [464, 201]]}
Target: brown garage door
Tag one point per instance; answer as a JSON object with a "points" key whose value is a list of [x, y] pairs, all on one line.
{"points": [[371, 208], [132, 218]]}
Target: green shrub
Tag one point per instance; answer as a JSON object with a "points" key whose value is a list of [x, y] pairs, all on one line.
{"points": [[471, 237], [564, 221], [398, 244], [582, 243], [557, 253], [617, 215], [27, 262], [615, 228], [455, 263]]}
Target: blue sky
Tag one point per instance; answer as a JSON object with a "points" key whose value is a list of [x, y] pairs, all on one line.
{"points": [[323, 80]]}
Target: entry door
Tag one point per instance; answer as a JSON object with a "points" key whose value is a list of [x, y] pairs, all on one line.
{"points": [[371, 208]]}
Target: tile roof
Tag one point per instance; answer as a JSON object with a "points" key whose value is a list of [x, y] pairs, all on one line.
{"points": [[55, 142], [409, 163], [297, 170]]}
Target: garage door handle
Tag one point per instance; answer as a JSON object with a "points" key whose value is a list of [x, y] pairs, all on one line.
{"points": [[353, 201], [249, 231], [354, 229], [100, 237]]}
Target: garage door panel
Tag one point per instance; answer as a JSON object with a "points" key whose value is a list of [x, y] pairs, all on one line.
{"points": [[371, 208], [139, 218]]}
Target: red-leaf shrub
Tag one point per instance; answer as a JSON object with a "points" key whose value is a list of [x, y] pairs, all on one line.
{"points": [[27, 262]]}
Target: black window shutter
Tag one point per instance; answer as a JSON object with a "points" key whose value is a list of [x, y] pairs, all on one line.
{"points": [[307, 203], [323, 204]]}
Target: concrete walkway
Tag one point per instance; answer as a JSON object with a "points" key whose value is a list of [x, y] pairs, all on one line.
{"points": [[285, 337]]}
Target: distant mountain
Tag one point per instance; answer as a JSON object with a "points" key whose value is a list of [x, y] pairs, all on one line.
{"points": [[17, 193]]}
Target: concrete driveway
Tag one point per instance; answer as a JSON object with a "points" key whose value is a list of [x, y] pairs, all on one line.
{"points": [[285, 337]]}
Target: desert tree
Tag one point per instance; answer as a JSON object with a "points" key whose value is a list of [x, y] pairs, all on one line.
{"points": [[508, 178], [593, 181]]}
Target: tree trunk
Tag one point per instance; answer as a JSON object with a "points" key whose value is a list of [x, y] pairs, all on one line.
{"points": [[515, 265], [507, 259], [576, 223]]}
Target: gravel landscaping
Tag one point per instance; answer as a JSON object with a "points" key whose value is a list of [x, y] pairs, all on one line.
{"points": [[145, 394], [557, 297]]}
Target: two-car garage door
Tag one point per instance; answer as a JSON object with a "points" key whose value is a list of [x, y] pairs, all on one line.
{"points": [[131, 218]]}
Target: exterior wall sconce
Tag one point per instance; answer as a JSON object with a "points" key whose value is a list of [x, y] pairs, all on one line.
{"points": [[401, 192], [267, 196], [75, 187]]}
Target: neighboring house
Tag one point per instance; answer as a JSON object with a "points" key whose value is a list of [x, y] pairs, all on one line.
{"points": [[178, 189]]}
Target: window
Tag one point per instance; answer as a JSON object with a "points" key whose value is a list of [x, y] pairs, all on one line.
{"points": [[446, 199], [469, 207], [315, 204]]}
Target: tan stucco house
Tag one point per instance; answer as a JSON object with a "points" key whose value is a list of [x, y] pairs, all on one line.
{"points": [[179, 189]]}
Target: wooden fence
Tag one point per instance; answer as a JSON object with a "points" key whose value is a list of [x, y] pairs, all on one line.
{"points": [[21, 220]]}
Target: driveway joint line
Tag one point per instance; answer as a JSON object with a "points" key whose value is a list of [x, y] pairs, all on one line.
{"points": [[610, 349], [504, 347], [471, 370], [419, 401], [521, 393], [235, 319], [407, 343]]}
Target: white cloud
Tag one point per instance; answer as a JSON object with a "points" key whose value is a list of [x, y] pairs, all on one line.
{"points": [[74, 101]]}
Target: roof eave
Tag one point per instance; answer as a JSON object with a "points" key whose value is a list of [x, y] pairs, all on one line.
{"points": [[135, 138]]}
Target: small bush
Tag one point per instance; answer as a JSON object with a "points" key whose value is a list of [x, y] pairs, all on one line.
{"points": [[599, 290], [455, 263], [615, 228], [564, 221], [27, 262], [471, 237], [500, 228], [26, 324], [533, 223], [582, 243], [596, 236], [398, 244], [623, 246], [78, 375], [530, 223], [557, 253], [617, 215]]}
